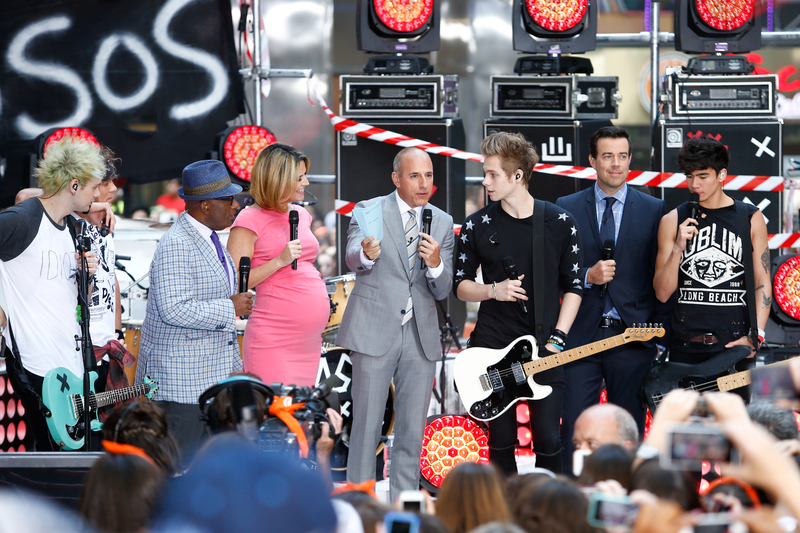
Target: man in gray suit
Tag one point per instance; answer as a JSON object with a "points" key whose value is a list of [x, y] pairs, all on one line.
{"points": [[189, 332], [390, 323]]}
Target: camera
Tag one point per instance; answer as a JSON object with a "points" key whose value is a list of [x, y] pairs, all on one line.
{"points": [[719, 523], [275, 436], [412, 501], [397, 522], [608, 510], [688, 446]]}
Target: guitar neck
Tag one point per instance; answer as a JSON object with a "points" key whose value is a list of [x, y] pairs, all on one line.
{"points": [[102, 399], [569, 356], [740, 379]]}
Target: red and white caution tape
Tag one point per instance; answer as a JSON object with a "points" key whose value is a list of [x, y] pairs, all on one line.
{"points": [[636, 177], [784, 240]]}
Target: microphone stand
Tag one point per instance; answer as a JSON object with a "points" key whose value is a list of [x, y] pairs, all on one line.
{"points": [[448, 332], [85, 339]]}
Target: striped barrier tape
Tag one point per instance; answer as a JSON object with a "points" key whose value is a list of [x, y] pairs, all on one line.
{"points": [[667, 180]]}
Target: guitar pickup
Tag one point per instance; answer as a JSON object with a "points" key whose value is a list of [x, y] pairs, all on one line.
{"points": [[519, 373], [495, 380], [484, 380]]}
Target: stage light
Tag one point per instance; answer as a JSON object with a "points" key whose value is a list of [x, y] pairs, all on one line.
{"points": [[238, 147], [56, 134], [448, 441], [524, 436], [554, 26], [718, 26], [398, 26], [523, 413], [13, 429], [786, 289]]}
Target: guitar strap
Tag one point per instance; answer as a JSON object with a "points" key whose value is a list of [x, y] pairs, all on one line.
{"points": [[15, 362], [749, 272], [538, 270]]}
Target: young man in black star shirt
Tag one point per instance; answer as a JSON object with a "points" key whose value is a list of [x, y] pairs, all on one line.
{"points": [[505, 228]]}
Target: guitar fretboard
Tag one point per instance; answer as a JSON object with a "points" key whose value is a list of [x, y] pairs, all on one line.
{"points": [[740, 379], [101, 399], [568, 356]]}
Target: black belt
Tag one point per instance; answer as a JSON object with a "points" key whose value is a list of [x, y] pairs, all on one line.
{"points": [[608, 322], [707, 339]]}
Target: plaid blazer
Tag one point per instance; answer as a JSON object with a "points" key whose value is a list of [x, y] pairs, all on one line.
{"points": [[189, 332]]}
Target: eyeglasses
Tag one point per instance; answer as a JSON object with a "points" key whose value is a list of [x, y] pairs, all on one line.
{"points": [[228, 199]]}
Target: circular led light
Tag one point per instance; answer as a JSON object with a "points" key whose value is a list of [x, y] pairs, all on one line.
{"points": [[449, 441], [404, 15], [242, 146], [557, 15], [725, 14], [78, 133], [786, 287]]}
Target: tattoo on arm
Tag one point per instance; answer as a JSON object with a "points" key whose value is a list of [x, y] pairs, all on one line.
{"points": [[765, 260], [766, 301]]}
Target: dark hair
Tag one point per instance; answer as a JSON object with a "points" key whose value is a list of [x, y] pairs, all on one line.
{"points": [[780, 422], [516, 484], [607, 132], [672, 485], [144, 425], [554, 506], [121, 493], [471, 495], [609, 461], [430, 523], [701, 153], [371, 513]]}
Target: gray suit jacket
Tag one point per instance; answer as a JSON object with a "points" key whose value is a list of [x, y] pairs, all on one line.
{"points": [[189, 332], [376, 306]]}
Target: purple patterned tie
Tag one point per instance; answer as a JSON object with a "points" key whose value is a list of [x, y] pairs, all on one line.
{"points": [[220, 254]]}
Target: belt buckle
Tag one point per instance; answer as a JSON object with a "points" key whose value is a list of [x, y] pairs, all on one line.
{"points": [[708, 339]]}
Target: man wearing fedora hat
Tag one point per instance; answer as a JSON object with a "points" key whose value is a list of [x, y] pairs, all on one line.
{"points": [[189, 332]]}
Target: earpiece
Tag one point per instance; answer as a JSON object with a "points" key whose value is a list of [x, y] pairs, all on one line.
{"points": [[519, 176], [75, 187]]}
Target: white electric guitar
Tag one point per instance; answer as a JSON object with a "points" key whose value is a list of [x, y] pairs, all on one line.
{"points": [[490, 381]]}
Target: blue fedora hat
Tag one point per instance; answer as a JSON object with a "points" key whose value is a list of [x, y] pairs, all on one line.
{"points": [[207, 179]]}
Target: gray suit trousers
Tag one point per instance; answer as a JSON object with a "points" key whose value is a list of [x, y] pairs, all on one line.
{"points": [[413, 376]]}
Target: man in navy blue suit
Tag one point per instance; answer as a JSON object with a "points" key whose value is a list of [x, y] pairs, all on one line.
{"points": [[618, 292]]}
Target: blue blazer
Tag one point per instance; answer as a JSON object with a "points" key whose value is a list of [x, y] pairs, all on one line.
{"points": [[635, 255]]}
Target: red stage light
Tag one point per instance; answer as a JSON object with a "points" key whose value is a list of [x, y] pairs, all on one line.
{"points": [[449, 441], [725, 15], [60, 133], [786, 287], [241, 146], [22, 430], [523, 413], [404, 15], [11, 432], [11, 408], [524, 436], [557, 15]]}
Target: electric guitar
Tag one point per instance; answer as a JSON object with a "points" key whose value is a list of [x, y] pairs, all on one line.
{"points": [[712, 375], [66, 407], [490, 381]]}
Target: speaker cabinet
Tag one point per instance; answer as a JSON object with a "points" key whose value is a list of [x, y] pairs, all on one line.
{"points": [[364, 171], [564, 142]]}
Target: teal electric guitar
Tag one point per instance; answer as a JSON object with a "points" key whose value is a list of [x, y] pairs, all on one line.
{"points": [[62, 393]]}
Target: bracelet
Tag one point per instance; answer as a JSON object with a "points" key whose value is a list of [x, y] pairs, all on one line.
{"points": [[557, 341], [494, 289], [561, 334], [120, 334], [559, 348], [761, 335]]}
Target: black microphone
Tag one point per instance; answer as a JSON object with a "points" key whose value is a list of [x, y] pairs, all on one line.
{"points": [[326, 386], [427, 217], [608, 253], [694, 205], [294, 219], [244, 273], [511, 271], [243, 17]]}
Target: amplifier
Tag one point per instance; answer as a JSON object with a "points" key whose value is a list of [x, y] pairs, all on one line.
{"points": [[726, 96], [563, 97], [426, 96]]}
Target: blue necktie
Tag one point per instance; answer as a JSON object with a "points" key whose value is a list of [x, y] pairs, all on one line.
{"points": [[608, 230]]}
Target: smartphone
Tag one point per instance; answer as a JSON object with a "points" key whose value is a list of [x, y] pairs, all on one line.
{"points": [[688, 446], [412, 501], [718, 523], [772, 383], [401, 522], [578, 458], [608, 510]]}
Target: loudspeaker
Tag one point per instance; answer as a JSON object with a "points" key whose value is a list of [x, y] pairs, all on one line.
{"points": [[364, 171], [564, 142], [755, 147]]}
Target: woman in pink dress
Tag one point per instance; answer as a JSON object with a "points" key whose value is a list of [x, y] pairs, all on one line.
{"points": [[283, 338]]}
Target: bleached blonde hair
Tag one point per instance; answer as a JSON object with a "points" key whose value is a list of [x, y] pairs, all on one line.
{"points": [[68, 159]]}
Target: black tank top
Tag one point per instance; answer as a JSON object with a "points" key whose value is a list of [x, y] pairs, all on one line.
{"points": [[711, 281]]}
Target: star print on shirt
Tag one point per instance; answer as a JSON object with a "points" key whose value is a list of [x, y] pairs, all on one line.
{"points": [[463, 237], [485, 219], [574, 230], [576, 281], [460, 274], [469, 224], [575, 267], [462, 258], [575, 249], [563, 216]]}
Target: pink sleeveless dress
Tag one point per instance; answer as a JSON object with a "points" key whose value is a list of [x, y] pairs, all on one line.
{"points": [[283, 338]]}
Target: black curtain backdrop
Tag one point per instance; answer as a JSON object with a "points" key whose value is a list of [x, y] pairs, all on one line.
{"points": [[155, 80]]}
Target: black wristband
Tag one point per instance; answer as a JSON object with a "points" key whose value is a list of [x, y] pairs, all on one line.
{"points": [[561, 334], [120, 334]]}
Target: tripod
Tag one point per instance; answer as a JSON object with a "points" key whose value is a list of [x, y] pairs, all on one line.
{"points": [[449, 333]]}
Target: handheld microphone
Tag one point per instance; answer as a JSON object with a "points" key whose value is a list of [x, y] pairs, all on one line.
{"points": [[608, 253], [244, 273], [511, 271], [427, 217], [694, 205], [294, 219], [326, 386], [243, 16]]}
